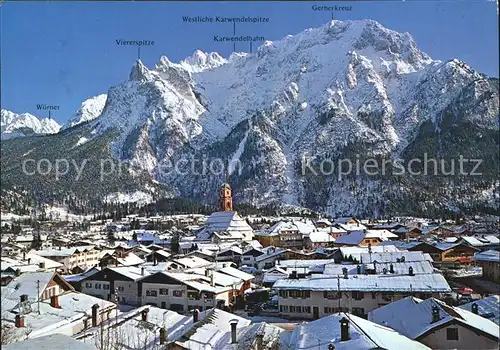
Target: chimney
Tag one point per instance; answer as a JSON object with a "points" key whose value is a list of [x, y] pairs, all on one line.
{"points": [[18, 272], [344, 272], [259, 339], [144, 315], [207, 273], [19, 321], [474, 308], [435, 314], [143, 271], [24, 298], [163, 335], [94, 315], [410, 271], [391, 268], [344, 329], [54, 301], [233, 324], [212, 281], [29, 261], [24, 255], [42, 265], [196, 315], [358, 270]]}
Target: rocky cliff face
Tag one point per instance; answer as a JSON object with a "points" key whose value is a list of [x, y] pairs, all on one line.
{"points": [[274, 121]]}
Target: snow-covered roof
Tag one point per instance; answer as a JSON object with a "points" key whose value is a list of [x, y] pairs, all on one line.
{"points": [[304, 263], [324, 222], [81, 276], [399, 268], [353, 238], [384, 235], [363, 334], [352, 227], [49, 252], [432, 283], [394, 256], [74, 306], [321, 237], [133, 333], [212, 330], [32, 284], [356, 252], [34, 259], [270, 252], [488, 307], [489, 255], [473, 241], [225, 221], [395, 315], [231, 271], [192, 261], [134, 273], [129, 260], [50, 342]]}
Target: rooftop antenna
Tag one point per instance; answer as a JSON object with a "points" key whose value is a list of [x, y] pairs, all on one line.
{"points": [[338, 291], [38, 295]]}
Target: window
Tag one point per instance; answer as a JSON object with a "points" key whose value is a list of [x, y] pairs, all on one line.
{"points": [[295, 309], [283, 293], [374, 295], [357, 295], [332, 295], [358, 311], [151, 293], [329, 310], [97, 286], [88, 285], [284, 308], [121, 289], [451, 333], [105, 286], [304, 294], [306, 309], [177, 293], [193, 295], [163, 291]]}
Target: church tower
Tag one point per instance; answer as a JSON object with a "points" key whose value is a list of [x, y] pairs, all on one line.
{"points": [[225, 199]]}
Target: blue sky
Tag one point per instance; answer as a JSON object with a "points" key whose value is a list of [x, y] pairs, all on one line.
{"points": [[62, 53]]}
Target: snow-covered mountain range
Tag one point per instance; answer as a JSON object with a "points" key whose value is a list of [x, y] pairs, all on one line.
{"points": [[17, 125], [349, 89]]}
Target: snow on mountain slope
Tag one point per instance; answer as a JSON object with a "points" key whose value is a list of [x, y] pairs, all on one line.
{"points": [[90, 109], [17, 125], [348, 89]]}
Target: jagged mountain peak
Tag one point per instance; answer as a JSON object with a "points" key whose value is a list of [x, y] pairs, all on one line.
{"points": [[200, 61], [139, 72], [345, 88], [15, 125], [90, 109]]}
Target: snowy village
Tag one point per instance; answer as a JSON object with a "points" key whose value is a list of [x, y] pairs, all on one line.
{"points": [[250, 175]]}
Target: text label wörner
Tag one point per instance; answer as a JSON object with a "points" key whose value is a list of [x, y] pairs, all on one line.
{"points": [[218, 19]]}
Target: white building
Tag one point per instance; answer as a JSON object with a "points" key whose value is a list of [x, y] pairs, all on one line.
{"points": [[438, 325], [343, 331], [320, 295], [225, 226]]}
